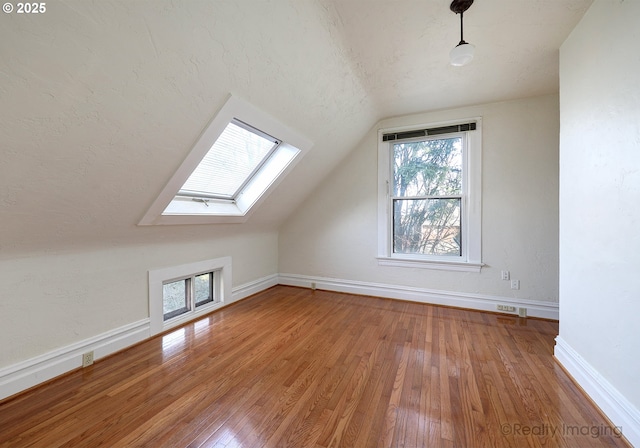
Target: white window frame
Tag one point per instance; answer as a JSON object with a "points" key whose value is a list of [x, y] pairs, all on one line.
{"points": [[158, 277], [471, 258], [171, 208]]}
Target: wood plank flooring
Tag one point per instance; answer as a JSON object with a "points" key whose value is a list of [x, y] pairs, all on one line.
{"points": [[300, 368]]}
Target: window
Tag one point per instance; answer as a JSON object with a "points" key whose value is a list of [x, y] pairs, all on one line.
{"points": [[426, 196], [178, 294], [236, 162], [176, 298], [203, 288], [232, 161], [430, 198], [182, 296]]}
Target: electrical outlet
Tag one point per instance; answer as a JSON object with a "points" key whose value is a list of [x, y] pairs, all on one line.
{"points": [[515, 284], [507, 308], [87, 359], [505, 275], [522, 312], [313, 286]]}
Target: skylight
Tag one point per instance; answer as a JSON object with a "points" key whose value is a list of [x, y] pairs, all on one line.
{"points": [[232, 160], [234, 165]]}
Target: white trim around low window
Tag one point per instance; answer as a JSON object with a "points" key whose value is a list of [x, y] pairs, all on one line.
{"points": [[158, 277]]}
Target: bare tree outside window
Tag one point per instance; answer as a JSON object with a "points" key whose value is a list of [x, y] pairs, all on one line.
{"points": [[427, 197]]}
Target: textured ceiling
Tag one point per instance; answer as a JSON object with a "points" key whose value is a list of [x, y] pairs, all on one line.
{"points": [[399, 49], [102, 100]]}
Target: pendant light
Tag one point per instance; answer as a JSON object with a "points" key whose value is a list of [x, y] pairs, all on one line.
{"points": [[462, 54]]}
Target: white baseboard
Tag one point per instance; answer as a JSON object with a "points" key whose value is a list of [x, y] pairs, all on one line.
{"points": [[612, 403], [547, 310], [29, 373], [26, 374], [254, 287]]}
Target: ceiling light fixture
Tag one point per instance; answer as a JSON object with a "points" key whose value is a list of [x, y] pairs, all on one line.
{"points": [[462, 54]]}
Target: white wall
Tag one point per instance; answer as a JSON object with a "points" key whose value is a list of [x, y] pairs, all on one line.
{"points": [[334, 233], [57, 299], [600, 200], [101, 103]]}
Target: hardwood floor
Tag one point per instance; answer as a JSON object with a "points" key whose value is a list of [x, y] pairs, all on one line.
{"points": [[294, 367]]}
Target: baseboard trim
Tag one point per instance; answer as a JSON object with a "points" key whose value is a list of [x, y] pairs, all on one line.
{"points": [[480, 302], [26, 374], [254, 287], [611, 402]]}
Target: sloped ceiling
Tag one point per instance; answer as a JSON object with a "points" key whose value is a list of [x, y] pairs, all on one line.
{"points": [[102, 100], [399, 49]]}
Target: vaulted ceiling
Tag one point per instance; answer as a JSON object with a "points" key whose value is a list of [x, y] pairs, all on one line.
{"points": [[102, 101], [399, 49]]}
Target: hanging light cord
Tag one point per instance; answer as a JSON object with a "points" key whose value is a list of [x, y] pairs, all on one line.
{"points": [[461, 29]]}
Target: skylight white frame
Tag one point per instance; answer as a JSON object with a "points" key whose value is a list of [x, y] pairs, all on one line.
{"points": [[170, 208]]}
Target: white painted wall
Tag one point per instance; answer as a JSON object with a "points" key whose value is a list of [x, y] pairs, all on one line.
{"points": [[101, 103], [600, 195], [57, 299], [334, 233]]}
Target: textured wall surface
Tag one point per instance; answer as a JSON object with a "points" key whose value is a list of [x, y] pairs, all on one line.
{"points": [[600, 193], [335, 233], [103, 100], [54, 300]]}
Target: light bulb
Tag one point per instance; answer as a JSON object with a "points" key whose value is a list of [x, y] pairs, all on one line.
{"points": [[462, 54]]}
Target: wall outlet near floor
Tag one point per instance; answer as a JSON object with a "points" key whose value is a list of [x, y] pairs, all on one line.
{"points": [[505, 275], [522, 312], [313, 286], [87, 359], [515, 284], [507, 308]]}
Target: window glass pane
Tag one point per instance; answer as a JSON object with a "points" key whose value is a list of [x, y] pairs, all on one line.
{"points": [[427, 226], [428, 168], [232, 159], [202, 288], [175, 298]]}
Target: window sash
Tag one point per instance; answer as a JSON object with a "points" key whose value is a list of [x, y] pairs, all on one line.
{"points": [[210, 289], [448, 239], [185, 298], [461, 196], [191, 293], [214, 167]]}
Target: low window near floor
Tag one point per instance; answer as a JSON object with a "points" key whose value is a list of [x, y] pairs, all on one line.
{"points": [[178, 294], [185, 295]]}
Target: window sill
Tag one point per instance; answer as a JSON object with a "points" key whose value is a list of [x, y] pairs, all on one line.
{"points": [[191, 315], [459, 266]]}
